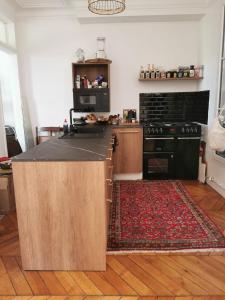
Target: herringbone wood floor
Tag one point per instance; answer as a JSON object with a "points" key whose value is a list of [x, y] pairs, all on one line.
{"points": [[128, 277]]}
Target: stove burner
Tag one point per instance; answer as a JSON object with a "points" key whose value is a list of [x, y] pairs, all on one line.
{"points": [[171, 129]]}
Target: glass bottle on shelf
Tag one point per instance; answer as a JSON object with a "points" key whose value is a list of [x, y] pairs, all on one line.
{"points": [[201, 69], [180, 72], [147, 73], [163, 74], [192, 71], [157, 73], [142, 73], [168, 74], [153, 72]]}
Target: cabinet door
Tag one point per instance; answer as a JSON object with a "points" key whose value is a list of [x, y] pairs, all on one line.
{"points": [[129, 150], [187, 158]]}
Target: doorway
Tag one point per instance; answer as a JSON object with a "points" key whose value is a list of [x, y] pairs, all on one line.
{"points": [[11, 105]]}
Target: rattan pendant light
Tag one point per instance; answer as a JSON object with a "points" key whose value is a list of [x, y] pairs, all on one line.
{"points": [[106, 7]]}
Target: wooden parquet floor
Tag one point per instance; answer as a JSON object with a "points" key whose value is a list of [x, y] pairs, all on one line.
{"points": [[128, 277]]}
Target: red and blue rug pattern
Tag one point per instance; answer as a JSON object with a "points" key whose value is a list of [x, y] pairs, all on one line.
{"points": [[159, 215]]}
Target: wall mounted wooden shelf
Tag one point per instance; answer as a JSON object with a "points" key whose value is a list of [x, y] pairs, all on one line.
{"points": [[170, 79], [91, 71]]}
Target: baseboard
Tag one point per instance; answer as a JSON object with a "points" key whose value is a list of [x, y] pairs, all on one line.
{"points": [[136, 176], [216, 187]]}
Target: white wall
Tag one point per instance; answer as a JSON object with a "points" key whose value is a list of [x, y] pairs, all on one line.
{"points": [[211, 37], [47, 48], [7, 12]]}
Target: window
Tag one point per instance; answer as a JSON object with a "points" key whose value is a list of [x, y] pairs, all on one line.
{"points": [[7, 34], [222, 79], [10, 98], [3, 38]]}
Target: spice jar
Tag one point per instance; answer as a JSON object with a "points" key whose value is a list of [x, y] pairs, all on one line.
{"points": [[192, 71]]}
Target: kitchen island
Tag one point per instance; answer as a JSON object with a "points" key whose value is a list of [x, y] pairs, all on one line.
{"points": [[62, 187]]}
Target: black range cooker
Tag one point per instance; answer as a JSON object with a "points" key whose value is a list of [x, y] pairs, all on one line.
{"points": [[171, 150]]}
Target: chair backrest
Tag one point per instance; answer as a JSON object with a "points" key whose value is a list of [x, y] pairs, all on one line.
{"points": [[45, 133]]}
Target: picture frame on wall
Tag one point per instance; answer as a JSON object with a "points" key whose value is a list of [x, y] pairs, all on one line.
{"points": [[130, 115]]}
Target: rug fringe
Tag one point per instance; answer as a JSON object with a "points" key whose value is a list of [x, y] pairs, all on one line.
{"points": [[209, 251]]}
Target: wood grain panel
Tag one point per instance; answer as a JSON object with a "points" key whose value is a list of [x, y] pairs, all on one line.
{"points": [[128, 156], [61, 209]]}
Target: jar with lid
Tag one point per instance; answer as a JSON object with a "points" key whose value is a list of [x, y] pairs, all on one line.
{"points": [[101, 48], [175, 74], [186, 72], [168, 74]]}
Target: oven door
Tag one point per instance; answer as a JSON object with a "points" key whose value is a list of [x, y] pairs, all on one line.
{"points": [[158, 165], [159, 144]]}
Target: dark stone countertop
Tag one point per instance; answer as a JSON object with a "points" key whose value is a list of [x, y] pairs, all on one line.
{"points": [[74, 149], [128, 125]]}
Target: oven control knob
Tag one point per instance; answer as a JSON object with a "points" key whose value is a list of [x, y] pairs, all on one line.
{"points": [[191, 130], [196, 130], [187, 130], [156, 131], [161, 130], [182, 130]]}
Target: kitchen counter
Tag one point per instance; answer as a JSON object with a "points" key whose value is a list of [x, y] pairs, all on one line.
{"points": [[76, 149], [128, 125], [61, 188], [79, 148]]}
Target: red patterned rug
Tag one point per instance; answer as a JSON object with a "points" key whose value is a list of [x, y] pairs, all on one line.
{"points": [[159, 215]]}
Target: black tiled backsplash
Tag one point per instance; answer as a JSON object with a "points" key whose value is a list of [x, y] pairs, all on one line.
{"points": [[174, 107]]}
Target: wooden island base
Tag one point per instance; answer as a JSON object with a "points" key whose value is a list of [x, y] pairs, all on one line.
{"points": [[61, 208]]}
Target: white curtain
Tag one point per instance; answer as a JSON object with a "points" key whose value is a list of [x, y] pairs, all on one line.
{"points": [[3, 147], [11, 99]]}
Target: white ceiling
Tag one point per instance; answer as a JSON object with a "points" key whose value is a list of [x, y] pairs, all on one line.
{"points": [[73, 3], [136, 10], [41, 3]]}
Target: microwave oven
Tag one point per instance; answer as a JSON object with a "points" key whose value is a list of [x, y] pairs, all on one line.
{"points": [[91, 100]]}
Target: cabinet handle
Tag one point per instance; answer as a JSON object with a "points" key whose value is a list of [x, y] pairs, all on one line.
{"points": [[111, 168], [129, 132], [159, 138], [109, 200], [109, 181], [109, 158], [189, 138]]}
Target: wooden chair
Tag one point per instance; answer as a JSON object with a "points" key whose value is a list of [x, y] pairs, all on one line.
{"points": [[45, 133]]}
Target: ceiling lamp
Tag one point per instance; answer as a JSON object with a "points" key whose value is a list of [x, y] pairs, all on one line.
{"points": [[106, 7]]}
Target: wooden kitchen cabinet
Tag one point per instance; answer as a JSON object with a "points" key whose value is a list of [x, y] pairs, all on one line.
{"points": [[61, 209], [109, 184], [63, 204], [129, 151]]}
